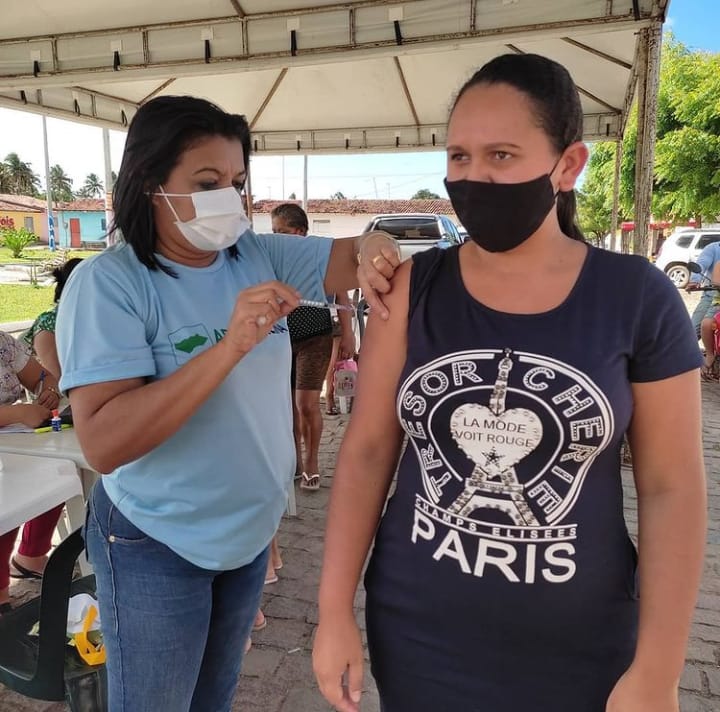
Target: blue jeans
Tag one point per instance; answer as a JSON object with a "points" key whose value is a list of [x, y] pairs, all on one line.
{"points": [[174, 633]]}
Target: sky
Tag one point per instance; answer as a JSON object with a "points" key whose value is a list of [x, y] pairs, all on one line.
{"points": [[78, 147]]}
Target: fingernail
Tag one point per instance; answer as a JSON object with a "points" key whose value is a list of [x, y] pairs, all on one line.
{"points": [[355, 695]]}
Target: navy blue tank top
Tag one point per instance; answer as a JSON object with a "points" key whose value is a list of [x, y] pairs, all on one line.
{"points": [[503, 576]]}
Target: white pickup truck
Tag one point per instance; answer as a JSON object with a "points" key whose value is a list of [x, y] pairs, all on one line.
{"points": [[417, 231]]}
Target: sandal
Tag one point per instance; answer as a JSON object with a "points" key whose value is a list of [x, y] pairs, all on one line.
{"points": [[310, 482], [262, 624], [332, 410], [706, 374], [22, 573], [272, 579], [248, 645]]}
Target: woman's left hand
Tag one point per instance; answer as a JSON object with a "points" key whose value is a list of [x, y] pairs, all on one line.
{"points": [[641, 692], [347, 345], [49, 397], [378, 258]]}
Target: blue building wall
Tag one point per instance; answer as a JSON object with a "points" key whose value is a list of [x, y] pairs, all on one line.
{"points": [[92, 226]]}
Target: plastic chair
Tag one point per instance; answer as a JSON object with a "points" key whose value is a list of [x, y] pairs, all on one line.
{"points": [[44, 667]]}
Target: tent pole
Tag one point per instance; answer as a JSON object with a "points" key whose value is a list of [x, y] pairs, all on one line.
{"points": [[305, 183], [48, 192], [649, 45], [108, 186], [248, 194], [616, 195]]}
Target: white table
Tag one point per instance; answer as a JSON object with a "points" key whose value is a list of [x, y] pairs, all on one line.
{"points": [[65, 445], [30, 486]]}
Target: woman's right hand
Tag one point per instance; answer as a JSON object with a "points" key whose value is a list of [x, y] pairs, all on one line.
{"points": [[338, 662], [256, 310], [31, 414]]}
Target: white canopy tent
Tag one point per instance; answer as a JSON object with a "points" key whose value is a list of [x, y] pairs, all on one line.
{"points": [[316, 76]]}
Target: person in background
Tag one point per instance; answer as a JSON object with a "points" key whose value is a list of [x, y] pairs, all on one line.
{"points": [[175, 354], [19, 372], [312, 345], [502, 576], [703, 316], [344, 345], [40, 337]]}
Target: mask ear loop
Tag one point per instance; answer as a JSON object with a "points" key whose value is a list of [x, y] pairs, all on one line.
{"points": [[549, 175], [170, 205]]}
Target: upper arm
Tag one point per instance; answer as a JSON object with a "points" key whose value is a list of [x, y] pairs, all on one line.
{"points": [[665, 434], [46, 350], [374, 430]]}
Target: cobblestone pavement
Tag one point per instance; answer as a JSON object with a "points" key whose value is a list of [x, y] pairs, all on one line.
{"points": [[277, 676]]}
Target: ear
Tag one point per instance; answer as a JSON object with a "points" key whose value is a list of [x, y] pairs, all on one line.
{"points": [[571, 165]]}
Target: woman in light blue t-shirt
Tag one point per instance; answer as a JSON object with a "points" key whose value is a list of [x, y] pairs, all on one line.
{"points": [[175, 354]]}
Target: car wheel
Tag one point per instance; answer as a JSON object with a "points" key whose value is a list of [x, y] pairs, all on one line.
{"points": [[679, 274]]}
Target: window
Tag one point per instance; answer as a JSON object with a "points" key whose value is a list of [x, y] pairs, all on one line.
{"points": [[29, 224], [705, 240], [410, 228], [320, 227], [103, 224], [451, 232], [685, 240]]}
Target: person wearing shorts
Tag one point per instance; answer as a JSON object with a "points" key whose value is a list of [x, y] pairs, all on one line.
{"points": [[311, 338]]}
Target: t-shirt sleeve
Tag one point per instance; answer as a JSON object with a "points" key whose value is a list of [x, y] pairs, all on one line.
{"points": [[665, 344], [100, 330], [300, 262]]}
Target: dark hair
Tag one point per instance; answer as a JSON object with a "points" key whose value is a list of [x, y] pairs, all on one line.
{"points": [[161, 130], [61, 274], [552, 93], [292, 214]]}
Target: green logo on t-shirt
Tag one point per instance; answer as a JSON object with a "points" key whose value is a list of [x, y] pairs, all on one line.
{"points": [[189, 344]]}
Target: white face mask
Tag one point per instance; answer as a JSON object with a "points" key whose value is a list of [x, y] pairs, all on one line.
{"points": [[219, 218]]}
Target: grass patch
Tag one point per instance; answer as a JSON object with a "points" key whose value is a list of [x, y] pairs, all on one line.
{"points": [[23, 301], [34, 254]]}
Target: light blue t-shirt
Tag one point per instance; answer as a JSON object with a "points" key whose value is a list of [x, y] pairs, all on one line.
{"points": [[215, 491]]}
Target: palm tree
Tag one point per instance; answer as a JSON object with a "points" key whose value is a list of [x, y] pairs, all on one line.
{"points": [[22, 179], [60, 185], [92, 188], [6, 183]]}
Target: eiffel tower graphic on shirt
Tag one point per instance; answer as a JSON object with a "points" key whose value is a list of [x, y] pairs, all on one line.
{"points": [[494, 483]]}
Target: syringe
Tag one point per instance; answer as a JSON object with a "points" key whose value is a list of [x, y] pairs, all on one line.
{"points": [[325, 305]]}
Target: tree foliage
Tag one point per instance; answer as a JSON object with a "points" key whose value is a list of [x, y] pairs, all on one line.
{"points": [[686, 180], [92, 188], [425, 194], [17, 177], [60, 185]]}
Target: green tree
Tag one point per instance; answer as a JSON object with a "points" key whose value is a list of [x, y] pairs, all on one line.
{"points": [[21, 179], [425, 194], [687, 151], [92, 188], [594, 200], [60, 185]]}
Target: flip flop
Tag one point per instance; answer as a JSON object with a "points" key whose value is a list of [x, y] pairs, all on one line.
{"points": [[310, 482], [707, 375], [272, 579], [259, 626], [22, 573], [332, 410], [248, 645]]}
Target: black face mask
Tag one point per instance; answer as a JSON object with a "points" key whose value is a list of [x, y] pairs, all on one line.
{"points": [[501, 216]]}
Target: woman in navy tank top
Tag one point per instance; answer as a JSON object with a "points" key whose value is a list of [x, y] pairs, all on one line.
{"points": [[502, 576]]}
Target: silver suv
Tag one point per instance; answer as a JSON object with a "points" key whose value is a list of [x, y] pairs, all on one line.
{"points": [[683, 246]]}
